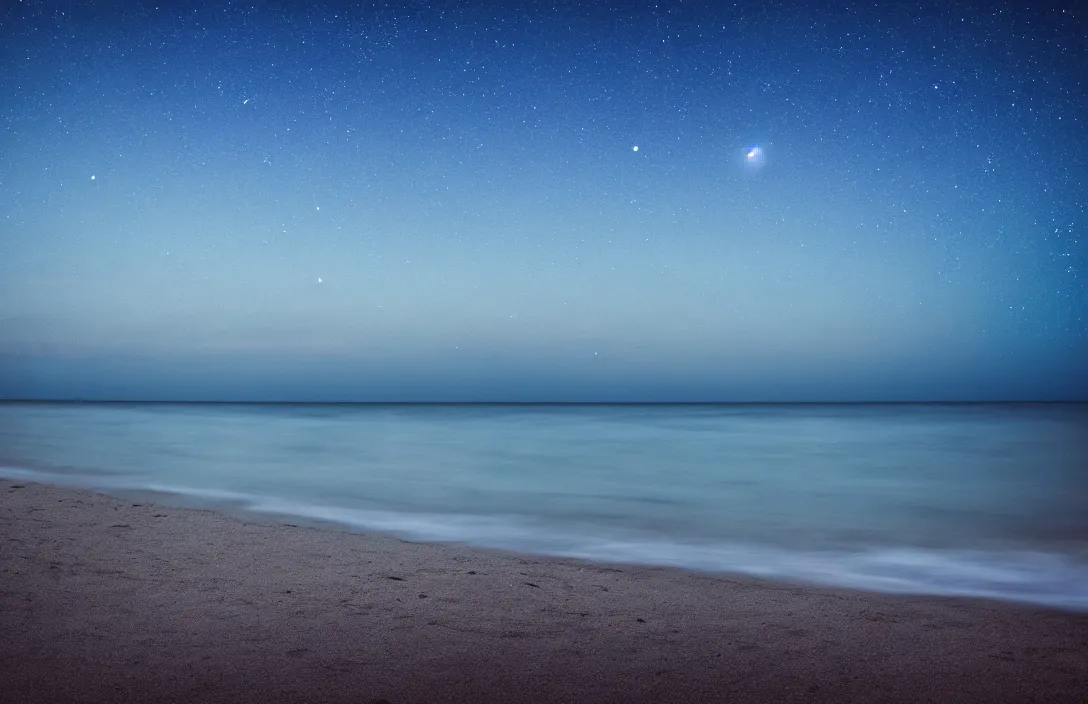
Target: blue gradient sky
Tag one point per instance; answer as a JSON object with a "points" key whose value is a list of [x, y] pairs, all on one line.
{"points": [[443, 202]]}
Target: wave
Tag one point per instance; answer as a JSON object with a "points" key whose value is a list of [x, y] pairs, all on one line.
{"points": [[1049, 579], [1033, 577]]}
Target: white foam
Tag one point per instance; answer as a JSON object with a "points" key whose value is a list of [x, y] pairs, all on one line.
{"points": [[15, 473], [1032, 577], [1045, 578]]}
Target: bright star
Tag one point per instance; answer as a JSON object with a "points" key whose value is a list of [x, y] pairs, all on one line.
{"points": [[754, 157], [634, 148]]}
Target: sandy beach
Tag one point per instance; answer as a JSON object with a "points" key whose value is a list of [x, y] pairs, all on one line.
{"points": [[108, 599]]}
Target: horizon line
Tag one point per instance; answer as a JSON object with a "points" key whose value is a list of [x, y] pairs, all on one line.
{"points": [[281, 402]]}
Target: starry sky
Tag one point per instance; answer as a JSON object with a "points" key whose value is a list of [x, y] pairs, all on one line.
{"points": [[561, 201]]}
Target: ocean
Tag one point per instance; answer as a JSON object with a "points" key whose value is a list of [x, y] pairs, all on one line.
{"points": [[952, 499]]}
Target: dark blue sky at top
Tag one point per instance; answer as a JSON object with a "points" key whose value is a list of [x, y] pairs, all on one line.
{"points": [[444, 201]]}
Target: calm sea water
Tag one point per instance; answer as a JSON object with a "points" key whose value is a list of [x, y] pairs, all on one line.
{"points": [[988, 500]]}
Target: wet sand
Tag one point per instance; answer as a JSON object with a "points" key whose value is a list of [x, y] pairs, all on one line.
{"points": [[107, 599]]}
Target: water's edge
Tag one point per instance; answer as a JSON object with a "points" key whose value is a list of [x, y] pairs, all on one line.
{"points": [[1037, 578]]}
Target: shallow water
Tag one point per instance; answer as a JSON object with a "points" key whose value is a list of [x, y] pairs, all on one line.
{"points": [[987, 500]]}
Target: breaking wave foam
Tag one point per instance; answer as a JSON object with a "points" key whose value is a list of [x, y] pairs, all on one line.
{"points": [[1044, 578]]}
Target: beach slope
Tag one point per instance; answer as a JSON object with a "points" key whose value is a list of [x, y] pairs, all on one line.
{"points": [[106, 599]]}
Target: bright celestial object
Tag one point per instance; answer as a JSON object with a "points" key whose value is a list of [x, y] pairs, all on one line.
{"points": [[754, 157], [634, 148], [319, 279]]}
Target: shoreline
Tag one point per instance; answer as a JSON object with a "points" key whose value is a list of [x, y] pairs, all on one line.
{"points": [[109, 598], [1017, 575]]}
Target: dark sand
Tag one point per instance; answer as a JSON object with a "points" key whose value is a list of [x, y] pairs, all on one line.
{"points": [[104, 600]]}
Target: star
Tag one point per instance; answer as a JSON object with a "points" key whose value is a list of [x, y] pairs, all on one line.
{"points": [[754, 157], [634, 148]]}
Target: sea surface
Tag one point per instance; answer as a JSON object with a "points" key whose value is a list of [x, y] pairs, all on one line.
{"points": [[981, 500]]}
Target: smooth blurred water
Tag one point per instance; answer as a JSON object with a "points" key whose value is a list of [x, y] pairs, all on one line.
{"points": [[987, 500]]}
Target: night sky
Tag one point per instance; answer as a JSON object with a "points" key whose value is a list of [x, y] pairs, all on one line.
{"points": [[543, 201]]}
